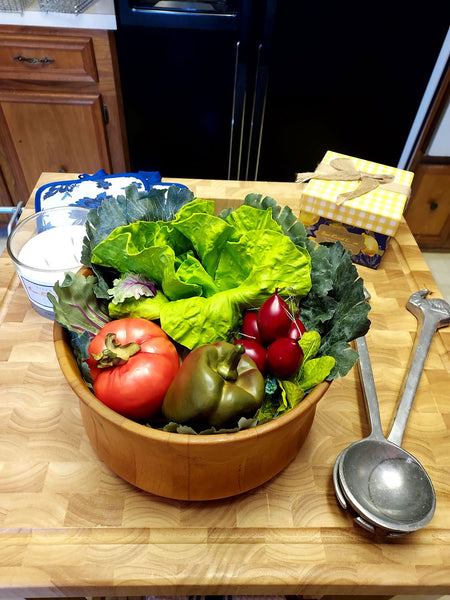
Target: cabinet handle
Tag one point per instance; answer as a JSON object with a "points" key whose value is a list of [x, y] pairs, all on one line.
{"points": [[433, 205], [34, 60], [105, 114]]}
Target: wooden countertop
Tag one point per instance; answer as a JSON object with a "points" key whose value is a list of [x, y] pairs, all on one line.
{"points": [[70, 527]]}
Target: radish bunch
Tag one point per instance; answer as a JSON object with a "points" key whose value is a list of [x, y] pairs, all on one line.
{"points": [[270, 337]]}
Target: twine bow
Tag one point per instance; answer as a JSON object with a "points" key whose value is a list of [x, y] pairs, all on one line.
{"points": [[342, 169]]}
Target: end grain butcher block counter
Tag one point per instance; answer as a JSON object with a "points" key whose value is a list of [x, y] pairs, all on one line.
{"points": [[70, 527]]}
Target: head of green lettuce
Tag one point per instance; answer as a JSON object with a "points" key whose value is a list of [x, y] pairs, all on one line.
{"points": [[209, 269]]}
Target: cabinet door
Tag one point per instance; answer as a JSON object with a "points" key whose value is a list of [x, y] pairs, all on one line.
{"points": [[54, 133], [428, 212]]}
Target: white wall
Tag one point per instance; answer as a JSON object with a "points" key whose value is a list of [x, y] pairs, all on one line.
{"points": [[440, 143]]}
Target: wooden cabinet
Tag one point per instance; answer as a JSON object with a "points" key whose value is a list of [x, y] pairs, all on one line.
{"points": [[60, 106], [428, 215]]}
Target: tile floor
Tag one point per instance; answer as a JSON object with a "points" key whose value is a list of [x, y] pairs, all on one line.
{"points": [[439, 265]]}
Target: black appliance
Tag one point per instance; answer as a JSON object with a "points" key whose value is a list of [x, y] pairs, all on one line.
{"points": [[260, 89]]}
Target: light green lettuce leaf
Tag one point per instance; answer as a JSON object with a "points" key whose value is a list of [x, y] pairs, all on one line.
{"points": [[197, 321], [197, 205], [206, 232], [269, 256], [141, 248], [146, 308], [310, 344], [191, 270], [315, 371], [292, 394], [247, 218]]}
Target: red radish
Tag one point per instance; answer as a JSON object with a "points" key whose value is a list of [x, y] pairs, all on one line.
{"points": [[274, 318], [297, 329], [284, 357], [255, 351], [250, 326]]}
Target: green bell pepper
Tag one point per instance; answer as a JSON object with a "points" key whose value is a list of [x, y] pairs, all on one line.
{"points": [[215, 385]]}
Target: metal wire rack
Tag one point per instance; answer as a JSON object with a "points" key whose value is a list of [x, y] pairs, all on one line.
{"points": [[14, 5], [64, 6]]}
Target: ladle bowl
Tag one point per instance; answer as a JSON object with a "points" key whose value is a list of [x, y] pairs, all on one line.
{"points": [[387, 485]]}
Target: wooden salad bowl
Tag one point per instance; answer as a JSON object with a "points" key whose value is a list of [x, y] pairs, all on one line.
{"points": [[182, 466]]}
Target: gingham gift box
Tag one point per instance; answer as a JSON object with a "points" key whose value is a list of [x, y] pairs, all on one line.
{"points": [[365, 197]]}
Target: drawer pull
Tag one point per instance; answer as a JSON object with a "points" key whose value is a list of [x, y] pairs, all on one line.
{"points": [[34, 60], [433, 205]]}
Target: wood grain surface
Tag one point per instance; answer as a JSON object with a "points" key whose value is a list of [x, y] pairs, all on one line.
{"points": [[70, 527]]}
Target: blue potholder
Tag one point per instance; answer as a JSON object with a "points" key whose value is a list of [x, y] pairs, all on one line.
{"points": [[90, 190]]}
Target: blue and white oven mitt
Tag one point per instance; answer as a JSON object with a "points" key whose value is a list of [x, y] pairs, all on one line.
{"points": [[90, 190]]}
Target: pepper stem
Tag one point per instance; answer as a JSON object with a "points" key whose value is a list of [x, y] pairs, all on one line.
{"points": [[227, 368], [114, 353]]}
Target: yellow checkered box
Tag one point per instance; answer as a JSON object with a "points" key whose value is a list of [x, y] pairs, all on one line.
{"points": [[367, 221]]}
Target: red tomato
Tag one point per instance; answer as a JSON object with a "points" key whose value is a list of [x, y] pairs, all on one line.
{"points": [[135, 387]]}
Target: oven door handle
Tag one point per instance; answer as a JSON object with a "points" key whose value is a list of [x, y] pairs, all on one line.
{"points": [[260, 88], [174, 19], [237, 116], [257, 118]]}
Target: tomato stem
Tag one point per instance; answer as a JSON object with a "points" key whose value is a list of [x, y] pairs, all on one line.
{"points": [[114, 353]]}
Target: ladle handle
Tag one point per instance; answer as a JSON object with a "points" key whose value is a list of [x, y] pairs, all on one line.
{"points": [[419, 354], [368, 387]]}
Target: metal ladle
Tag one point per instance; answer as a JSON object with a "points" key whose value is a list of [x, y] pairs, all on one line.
{"points": [[369, 391], [384, 484], [368, 388], [370, 397]]}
